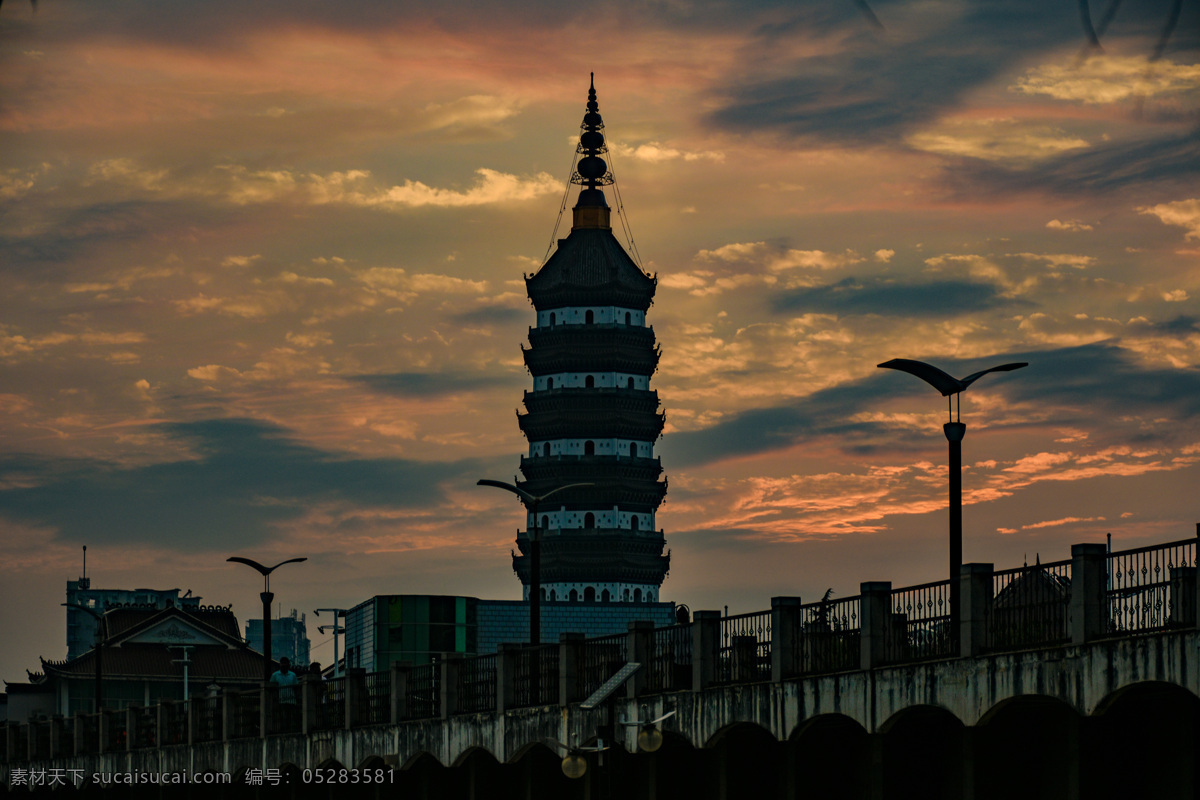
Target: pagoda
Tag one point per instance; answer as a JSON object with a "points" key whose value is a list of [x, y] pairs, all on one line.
{"points": [[592, 416]]}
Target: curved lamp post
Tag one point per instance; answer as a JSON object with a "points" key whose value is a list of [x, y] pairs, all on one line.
{"points": [[951, 387], [99, 649], [266, 597], [531, 502]]}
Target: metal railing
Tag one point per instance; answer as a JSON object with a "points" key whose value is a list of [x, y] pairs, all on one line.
{"points": [[376, 699], [244, 714], [145, 728], [330, 712], [602, 657], [919, 625], [118, 735], [206, 718], [1030, 606], [477, 684], [1145, 588], [744, 651], [830, 635], [423, 692], [670, 667], [536, 681], [174, 719]]}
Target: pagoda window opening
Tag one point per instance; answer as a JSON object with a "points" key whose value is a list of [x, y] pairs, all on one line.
{"points": [[546, 449], [589, 448], [545, 523], [551, 319], [553, 596], [590, 382], [605, 596], [589, 520], [633, 523], [630, 384], [589, 595], [637, 595], [628, 317], [549, 383], [544, 595], [589, 317], [632, 448], [574, 596]]}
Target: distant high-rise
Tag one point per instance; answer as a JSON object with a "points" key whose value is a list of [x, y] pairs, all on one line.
{"points": [[592, 416], [81, 626], [289, 637]]}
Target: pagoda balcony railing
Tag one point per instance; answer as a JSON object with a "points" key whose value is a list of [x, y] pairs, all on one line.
{"points": [[592, 398], [605, 460]]}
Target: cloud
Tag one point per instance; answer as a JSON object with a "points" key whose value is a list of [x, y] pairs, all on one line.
{"points": [[1181, 213], [1002, 140], [1068, 225], [888, 298], [655, 152], [1109, 79], [884, 256], [263, 478]]}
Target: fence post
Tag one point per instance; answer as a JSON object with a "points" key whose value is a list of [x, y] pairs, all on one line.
{"points": [[785, 637], [308, 701], [975, 593], [399, 709], [227, 712], [506, 676], [451, 665], [102, 732], [1089, 600], [876, 616], [570, 647], [706, 638], [131, 727], [1183, 597], [352, 691], [639, 648]]}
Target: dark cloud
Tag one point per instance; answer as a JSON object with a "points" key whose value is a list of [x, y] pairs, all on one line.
{"points": [[246, 477], [492, 315], [885, 297], [433, 384], [1083, 385], [1171, 160]]}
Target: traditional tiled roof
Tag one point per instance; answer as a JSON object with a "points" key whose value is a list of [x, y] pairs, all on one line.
{"points": [[590, 268], [155, 662]]}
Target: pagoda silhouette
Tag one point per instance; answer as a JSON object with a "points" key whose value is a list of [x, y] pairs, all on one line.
{"points": [[592, 416]]}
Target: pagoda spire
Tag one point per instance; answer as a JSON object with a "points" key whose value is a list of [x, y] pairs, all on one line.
{"points": [[591, 170]]}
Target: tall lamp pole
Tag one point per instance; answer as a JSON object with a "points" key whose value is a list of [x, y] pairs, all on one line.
{"points": [[99, 649], [337, 612], [531, 502], [266, 597], [951, 388]]}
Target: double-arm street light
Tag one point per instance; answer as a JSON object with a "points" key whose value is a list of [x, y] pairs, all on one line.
{"points": [[266, 597], [99, 645], [531, 502], [955, 430]]}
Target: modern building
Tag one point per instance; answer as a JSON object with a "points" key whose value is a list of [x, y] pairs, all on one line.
{"points": [[417, 628], [81, 626], [289, 637], [592, 416]]}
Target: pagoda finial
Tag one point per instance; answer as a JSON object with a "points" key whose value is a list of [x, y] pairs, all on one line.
{"points": [[591, 172]]}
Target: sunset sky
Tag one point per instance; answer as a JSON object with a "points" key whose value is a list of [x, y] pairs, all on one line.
{"points": [[261, 286]]}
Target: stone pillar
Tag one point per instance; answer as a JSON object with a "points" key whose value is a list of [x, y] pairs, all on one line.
{"points": [[507, 654], [975, 591], [876, 617], [308, 702], [1089, 603], [450, 666], [570, 662], [1183, 597], [786, 638], [227, 712], [706, 639], [399, 709], [639, 648], [355, 687]]}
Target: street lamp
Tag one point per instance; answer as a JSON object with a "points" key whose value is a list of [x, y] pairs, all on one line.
{"points": [[531, 502], [99, 645], [955, 430], [337, 612], [267, 597]]}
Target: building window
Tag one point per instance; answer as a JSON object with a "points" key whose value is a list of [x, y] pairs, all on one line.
{"points": [[605, 596], [574, 597], [627, 317], [589, 382], [551, 319], [545, 522], [553, 595], [589, 595], [633, 523], [637, 595], [589, 520], [546, 449], [549, 383], [589, 317], [629, 385], [632, 450], [589, 448]]}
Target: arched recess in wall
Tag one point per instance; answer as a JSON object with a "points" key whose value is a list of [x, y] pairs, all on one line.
{"points": [[746, 759], [589, 520], [589, 382], [1023, 741], [589, 448], [589, 594], [1151, 724], [476, 772], [922, 746], [422, 775], [828, 756], [536, 771], [589, 317]]}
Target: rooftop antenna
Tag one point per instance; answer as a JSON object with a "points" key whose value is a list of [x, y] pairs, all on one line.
{"points": [[83, 579]]}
